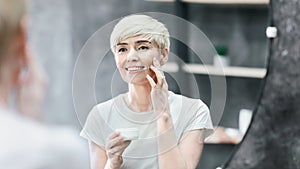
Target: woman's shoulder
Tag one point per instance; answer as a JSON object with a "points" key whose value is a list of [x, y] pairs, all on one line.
{"points": [[185, 100], [105, 106]]}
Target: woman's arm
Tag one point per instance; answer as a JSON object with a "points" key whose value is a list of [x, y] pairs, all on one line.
{"points": [[186, 154], [97, 156], [191, 146]]}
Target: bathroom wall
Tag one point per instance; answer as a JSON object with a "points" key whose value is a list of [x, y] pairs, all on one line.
{"points": [[61, 28]]}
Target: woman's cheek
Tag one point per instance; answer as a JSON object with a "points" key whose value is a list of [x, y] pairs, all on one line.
{"points": [[148, 59], [119, 63]]}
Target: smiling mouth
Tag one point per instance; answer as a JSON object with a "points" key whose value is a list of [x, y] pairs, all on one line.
{"points": [[135, 68]]}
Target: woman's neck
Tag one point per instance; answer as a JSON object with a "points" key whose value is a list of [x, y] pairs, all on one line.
{"points": [[138, 98], [3, 96]]}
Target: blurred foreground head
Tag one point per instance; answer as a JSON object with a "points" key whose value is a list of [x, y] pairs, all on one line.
{"points": [[19, 72], [12, 39]]}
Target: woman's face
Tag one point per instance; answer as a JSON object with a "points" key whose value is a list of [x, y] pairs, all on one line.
{"points": [[133, 58]]}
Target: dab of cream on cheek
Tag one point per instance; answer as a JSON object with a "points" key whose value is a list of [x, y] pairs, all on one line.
{"points": [[156, 63]]}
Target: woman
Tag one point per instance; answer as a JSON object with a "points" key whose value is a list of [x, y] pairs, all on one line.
{"points": [[171, 127]]}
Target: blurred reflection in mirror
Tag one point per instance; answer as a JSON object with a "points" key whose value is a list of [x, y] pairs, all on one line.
{"points": [[27, 143]]}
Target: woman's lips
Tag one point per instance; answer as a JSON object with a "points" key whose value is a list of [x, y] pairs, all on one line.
{"points": [[135, 68]]}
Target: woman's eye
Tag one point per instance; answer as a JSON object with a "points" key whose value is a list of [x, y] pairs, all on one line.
{"points": [[143, 48], [121, 50]]}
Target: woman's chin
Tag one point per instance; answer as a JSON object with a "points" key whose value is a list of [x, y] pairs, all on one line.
{"points": [[138, 81]]}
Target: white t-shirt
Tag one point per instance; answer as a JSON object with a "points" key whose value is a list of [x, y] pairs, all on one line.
{"points": [[26, 144], [187, 114]]}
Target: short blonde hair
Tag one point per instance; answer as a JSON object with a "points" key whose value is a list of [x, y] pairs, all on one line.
{"points": [[11, 14], [135, 25]]}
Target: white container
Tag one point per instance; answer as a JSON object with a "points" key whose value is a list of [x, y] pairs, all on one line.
{"points": [[129, 133], [245, 117], [221, 61]]}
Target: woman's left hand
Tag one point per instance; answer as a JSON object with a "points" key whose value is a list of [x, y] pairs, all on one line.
{"points": [[159, 92]]}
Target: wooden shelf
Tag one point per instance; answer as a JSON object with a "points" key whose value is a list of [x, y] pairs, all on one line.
{"points": [[225, 71], [245, 72], [254, 2], [171, 67]]}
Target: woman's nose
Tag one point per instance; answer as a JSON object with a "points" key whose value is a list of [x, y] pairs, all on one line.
{"points": [[132, 55]]}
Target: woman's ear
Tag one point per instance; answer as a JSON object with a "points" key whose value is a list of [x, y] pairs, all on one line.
{"points": [[20, 52], [164, 56]]}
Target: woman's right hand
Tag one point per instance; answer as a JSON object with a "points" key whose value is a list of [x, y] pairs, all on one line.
{"points": [[115, 147]]}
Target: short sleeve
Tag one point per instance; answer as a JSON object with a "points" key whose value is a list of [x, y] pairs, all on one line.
{"points": [[93, 128], [200, 119]]}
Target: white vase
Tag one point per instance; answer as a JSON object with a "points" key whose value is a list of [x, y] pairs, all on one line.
{"points": [[221, 61]]}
